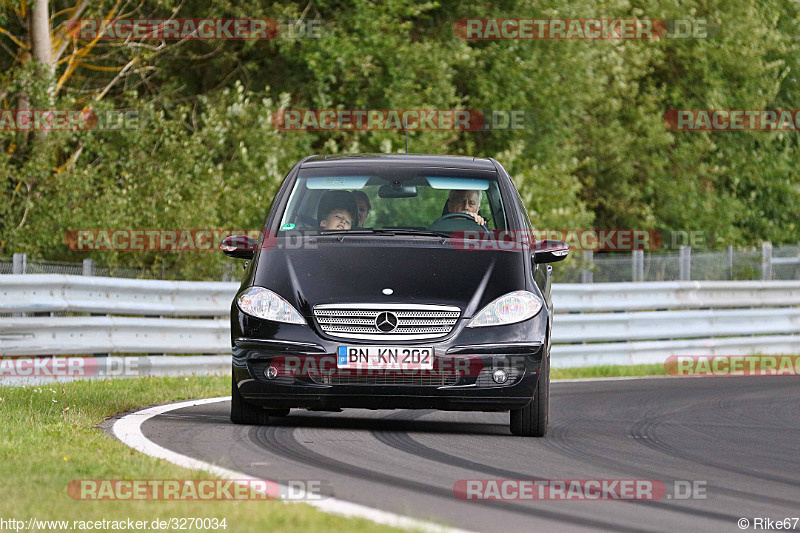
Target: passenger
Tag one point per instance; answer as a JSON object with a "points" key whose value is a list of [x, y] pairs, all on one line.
{"points": [[337, 210], [337, 219], [468, 202], [364, 206]]}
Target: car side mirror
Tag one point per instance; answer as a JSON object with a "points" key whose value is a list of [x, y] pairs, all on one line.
{"points": [[239, 246], [550, 251]]}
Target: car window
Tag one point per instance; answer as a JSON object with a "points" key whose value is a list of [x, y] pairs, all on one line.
{"points": [[396, 199]]}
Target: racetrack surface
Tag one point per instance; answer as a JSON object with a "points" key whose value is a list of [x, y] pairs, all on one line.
{"points": [[740, 436]]}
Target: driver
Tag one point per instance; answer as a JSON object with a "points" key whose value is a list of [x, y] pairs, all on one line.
{"points": [[468, 202]]}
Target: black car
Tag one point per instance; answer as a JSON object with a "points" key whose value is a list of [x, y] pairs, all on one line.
{"points": [[394, 281]]}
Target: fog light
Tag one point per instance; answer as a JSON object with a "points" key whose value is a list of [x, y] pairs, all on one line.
{"points": [[271, 372], [500, 376]]}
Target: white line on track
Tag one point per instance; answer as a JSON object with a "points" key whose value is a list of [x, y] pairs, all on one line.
{"points": [[128, 429]]}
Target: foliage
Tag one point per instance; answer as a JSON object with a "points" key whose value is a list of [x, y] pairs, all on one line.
{"points": [[598, 153]]}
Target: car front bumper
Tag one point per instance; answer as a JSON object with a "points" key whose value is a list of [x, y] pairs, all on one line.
{"points": [[462, 378]]}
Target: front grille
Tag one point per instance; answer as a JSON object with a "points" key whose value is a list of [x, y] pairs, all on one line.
{"points": [[408, 322], [390, 378]]}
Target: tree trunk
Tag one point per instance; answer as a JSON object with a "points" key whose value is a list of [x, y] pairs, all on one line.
{"points": [[41, 45]]}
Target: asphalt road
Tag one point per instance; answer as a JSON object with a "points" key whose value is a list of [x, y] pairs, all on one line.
{"points": [[738, 436]]}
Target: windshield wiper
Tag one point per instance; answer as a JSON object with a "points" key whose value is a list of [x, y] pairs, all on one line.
{"points": [[386, 231], [359, 231], [425, 232]]}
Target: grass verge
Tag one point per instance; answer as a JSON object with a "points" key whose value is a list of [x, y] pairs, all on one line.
{"points": [[49, 438]]}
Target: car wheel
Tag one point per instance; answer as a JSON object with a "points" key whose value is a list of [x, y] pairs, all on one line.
{"points": [[532, 420], [245, 413]]}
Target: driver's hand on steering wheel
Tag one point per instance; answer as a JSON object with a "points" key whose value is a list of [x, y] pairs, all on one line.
{"points": [[479, 219]]}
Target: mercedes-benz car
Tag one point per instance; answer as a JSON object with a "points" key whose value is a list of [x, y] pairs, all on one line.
{"points": [[394, 282]]}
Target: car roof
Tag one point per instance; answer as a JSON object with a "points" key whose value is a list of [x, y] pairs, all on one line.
{"points": [[421, 160]]}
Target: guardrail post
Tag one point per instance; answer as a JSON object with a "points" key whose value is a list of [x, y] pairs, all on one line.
{"points": [[685, 263], [587, 275], [766, 260], [20, 264], [88, 267], [730, 261], [637, 264]]}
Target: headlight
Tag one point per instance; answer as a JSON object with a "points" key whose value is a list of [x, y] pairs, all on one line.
{"points": [[508, 309], [263, 303]]}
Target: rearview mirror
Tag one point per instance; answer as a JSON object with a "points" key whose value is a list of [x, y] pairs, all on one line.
{"points": [[397, 190], [550, 251], [239, 246]]}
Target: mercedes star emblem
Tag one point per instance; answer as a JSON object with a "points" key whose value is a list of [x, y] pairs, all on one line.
{"points": [[386, 321]]}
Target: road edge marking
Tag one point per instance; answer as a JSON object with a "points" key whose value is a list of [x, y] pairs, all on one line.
{"points": [[128, 429]]}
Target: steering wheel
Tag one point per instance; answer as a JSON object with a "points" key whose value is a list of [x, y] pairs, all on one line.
{"points": [[452, 216]]}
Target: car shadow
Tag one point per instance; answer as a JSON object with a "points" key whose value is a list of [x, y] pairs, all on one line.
{"points": [[404, 421]]}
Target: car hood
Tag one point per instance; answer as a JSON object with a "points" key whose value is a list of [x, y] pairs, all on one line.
{"points": [[343, 273]]}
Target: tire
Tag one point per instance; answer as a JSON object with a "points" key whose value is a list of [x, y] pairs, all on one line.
{"points": [[533, 419], [245, 413]]}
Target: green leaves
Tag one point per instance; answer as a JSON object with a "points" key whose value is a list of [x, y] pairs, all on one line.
{"points": [[596, 154]]}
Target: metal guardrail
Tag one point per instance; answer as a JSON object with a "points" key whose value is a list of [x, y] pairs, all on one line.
{"points": [[48, 293], [654, 325], [613, 323], [114, 335], [35, 293], [669, 295]]}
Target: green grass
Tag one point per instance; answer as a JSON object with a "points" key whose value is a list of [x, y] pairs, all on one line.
{"points": [[608, 371], [49, 438]]}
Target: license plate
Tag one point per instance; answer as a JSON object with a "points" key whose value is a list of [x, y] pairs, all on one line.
{"points": [[385, 358]]}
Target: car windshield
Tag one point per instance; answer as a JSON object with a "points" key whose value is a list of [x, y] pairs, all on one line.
{"points": [[427, 200]]}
